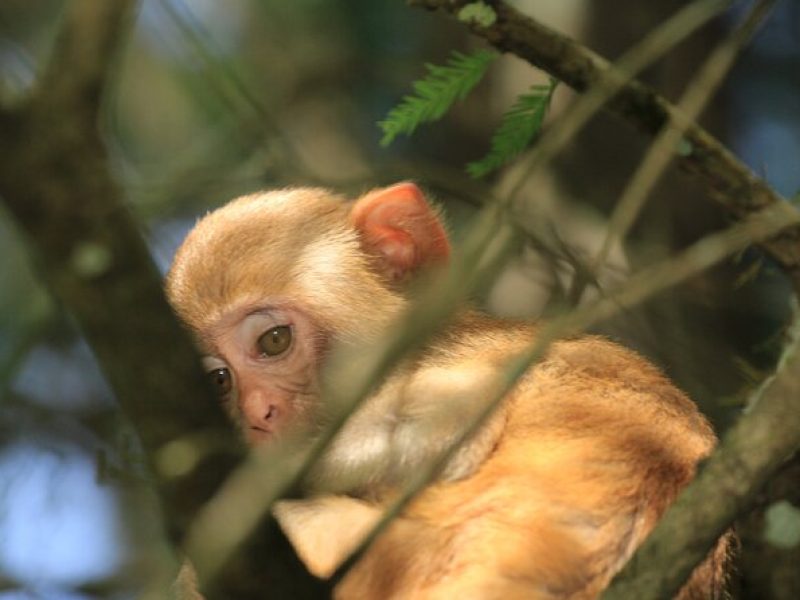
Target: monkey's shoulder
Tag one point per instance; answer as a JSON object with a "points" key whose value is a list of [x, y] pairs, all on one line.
{"points": [[582, 380], [477, 335], [497, 340]]}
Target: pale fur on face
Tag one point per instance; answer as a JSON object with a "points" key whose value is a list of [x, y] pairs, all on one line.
{"points": [[293, 246]]}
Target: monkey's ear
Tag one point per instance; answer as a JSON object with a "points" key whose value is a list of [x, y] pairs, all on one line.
{"points": [[399, 227]]}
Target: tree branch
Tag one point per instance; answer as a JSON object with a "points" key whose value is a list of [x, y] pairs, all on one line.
{"points": [[729, 182], [762, 440], [750, 453], [694, 99], [82, 57], [638, 288], [55, 179]]}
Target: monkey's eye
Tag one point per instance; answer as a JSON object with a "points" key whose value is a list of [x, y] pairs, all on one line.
{"points": [[275, 341], [221, 380]]}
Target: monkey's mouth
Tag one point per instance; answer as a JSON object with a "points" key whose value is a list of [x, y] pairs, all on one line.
{"points": [[259, 435]]}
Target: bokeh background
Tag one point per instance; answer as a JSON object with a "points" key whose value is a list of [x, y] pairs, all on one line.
{"points": [[214, 99]]}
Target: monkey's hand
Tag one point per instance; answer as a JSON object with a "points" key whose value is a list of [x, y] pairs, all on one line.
{"points": [[326, 529]]}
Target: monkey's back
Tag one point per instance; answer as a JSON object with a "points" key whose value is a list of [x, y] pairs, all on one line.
{"points": [[596, 444]]}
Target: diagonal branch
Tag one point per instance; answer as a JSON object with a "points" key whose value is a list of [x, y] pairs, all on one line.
{"points": [[750, 453], [641, 286], [663, 149], [729, 182], [763, 439], [82, 57]]}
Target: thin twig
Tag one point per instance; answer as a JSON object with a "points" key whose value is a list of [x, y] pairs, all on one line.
{"points": [[663, 149], [264, 125], [610, 79]]}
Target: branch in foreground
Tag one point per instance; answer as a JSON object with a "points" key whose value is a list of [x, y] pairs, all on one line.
{"points": [[54, 177], [695, 259], [729, 182], [610, 80]]}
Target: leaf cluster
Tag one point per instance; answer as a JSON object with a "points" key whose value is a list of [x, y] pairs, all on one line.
{"points": [[436, 93], [518, 127]]}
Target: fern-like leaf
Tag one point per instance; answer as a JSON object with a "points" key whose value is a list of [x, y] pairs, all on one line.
{"points": [[522, 121], [435, 93]]}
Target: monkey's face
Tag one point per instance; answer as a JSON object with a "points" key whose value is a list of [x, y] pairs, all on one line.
{"points": [[261, 361], [270, 280], [267, 283]]}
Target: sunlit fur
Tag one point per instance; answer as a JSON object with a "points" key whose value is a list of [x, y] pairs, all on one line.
{"points": [[293, 244], [548, 501]]}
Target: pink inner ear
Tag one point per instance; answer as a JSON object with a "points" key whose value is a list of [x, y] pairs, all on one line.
{"points": [[397, 224], [397, 249]]}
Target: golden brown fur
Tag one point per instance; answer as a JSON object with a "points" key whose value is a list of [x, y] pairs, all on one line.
{"points": [[596, 443], [548, 502]]}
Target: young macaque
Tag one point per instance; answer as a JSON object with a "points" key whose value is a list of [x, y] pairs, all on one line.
{"points": [[547, 501]]}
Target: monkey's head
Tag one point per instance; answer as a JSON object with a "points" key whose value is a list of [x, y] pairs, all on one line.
{"points": [[268, 281]]}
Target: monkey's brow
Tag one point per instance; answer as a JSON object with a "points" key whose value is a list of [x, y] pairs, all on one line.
{"points": [[236, 314], [277, 312], [206, 348], [261, 310]]}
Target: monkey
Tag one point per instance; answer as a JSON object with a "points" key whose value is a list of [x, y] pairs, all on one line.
{"points": [[548, 500]]}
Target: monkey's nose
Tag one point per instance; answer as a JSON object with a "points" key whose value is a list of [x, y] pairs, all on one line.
{"points": [[263, 424], [260, 411]]}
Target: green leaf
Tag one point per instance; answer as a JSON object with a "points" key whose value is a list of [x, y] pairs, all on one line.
{"points": [[522, 121], [478, 13], [435, 94], [782, 525]]}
